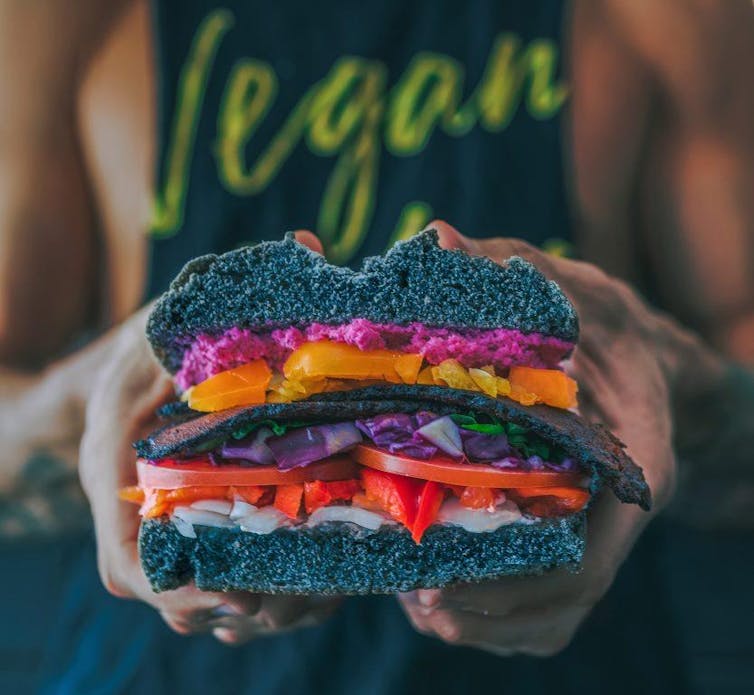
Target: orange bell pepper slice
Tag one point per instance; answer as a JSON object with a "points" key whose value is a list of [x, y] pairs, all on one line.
{"points": [[244, 385], [551, 386], [132, 493], [288, 499], [196, 492], [329, 360], [248, 493]]}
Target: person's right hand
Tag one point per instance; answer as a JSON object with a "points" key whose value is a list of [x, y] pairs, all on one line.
{"points": [[125, 394]]}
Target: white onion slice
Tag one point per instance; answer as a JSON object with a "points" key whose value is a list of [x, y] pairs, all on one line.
{"points": [[241, 508], [183, 527], [444, 434], [201, 517], [217, 506], [478, 520], [263, 521], [356, 515]]}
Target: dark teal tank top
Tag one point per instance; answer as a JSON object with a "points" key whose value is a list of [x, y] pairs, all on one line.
{"points": [[359, 121]]}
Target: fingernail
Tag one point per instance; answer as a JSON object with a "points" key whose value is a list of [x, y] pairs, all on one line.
{"points": [[224, 611], [225, 635], [429, 598]]}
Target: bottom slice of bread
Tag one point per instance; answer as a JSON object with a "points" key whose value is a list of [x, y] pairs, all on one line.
{"points": [[341, 558]]}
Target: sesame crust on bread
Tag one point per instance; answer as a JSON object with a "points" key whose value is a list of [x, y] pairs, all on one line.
{"points": [[283, 283], [341, 558]]}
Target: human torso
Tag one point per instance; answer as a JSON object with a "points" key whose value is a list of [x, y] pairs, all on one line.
{"points": [[487, 155]]}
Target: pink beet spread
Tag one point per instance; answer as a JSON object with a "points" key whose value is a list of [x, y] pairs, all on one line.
{"points": [[500, 347]]}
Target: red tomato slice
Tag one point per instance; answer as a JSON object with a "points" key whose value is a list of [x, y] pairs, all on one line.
{"points": [[442, 469], [171, 475]]}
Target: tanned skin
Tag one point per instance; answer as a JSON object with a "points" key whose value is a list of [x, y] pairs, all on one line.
{"points": [[660, 144]]}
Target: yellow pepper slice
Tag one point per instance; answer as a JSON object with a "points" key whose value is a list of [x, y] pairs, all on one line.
{"points": [[330, 360], [244, 385]]}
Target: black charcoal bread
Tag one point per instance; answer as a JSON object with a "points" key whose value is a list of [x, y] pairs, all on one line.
{"points": [[341, 558], [592, 445], [284, 283]]}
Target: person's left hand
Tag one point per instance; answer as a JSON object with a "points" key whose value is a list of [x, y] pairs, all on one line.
{"points": [[626, 363]]}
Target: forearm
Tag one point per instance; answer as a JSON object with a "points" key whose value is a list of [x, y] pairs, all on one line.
{"points": [[42, 414], [41, 425], [715, 447]]}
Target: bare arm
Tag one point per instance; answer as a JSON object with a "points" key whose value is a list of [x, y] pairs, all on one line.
{"points": [[698, 180], [672, 169], [48, 245]]}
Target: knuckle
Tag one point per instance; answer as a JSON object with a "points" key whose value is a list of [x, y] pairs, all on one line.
{"points": [[177, 625], [449, 629], [113, 581], [115, 586], [519, 247]]}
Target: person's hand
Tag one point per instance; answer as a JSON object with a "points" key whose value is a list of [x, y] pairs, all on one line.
{"points": [[124, 396], [628, 361]]}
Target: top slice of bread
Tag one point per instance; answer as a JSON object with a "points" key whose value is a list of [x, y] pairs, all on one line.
{"points": [[283, 283]]}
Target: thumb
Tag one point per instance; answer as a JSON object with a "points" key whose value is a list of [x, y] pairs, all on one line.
{"points": [[309, 239], [450, 238]]}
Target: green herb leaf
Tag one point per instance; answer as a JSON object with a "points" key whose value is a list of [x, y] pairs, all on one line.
{"points": [[463, 420], [278, 428], [486, 429]]}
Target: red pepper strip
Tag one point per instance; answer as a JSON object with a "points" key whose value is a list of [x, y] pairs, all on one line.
{"points": [[343, 489], [430, 499], [319, 493], [316, 495], [549, 501], [288, 499], [396, 494], [478, 497]]}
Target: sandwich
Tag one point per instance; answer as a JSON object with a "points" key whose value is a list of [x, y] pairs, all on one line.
{"points": [[407, 425]]}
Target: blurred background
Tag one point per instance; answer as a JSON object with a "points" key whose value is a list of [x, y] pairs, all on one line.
{"points": [[135, 135]]}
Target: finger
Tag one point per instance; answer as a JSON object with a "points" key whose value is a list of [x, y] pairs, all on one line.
{"points": [[499, 597], [496, 248], [279, 612], [236, 636], [450, 238], [310, 240], [544, 631], [106, 464], [120, 410], [611, 531]]}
